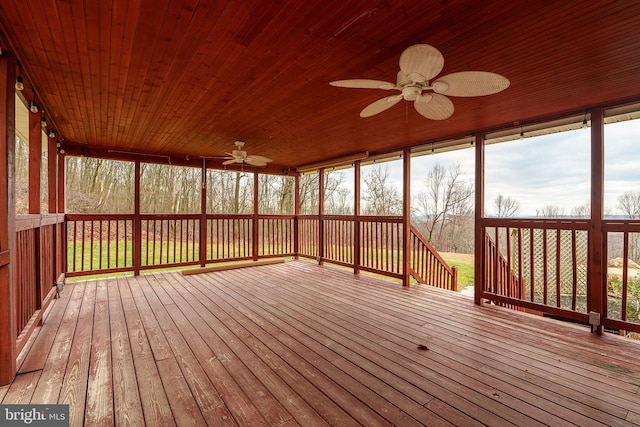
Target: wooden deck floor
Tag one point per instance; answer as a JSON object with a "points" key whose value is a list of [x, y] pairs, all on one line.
{"points": [[299, 344]]}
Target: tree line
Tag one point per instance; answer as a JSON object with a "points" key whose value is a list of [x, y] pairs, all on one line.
{"points": [[442, 210]]}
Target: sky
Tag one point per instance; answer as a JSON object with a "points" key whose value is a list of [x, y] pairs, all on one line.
{"points": [[549, 170]]}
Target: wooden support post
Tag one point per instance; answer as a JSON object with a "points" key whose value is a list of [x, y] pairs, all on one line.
{"points": [[296, 213], [321, 216], [52, 175], [35, 192], [35, 162], [8, 351], [406, 216], [256, 216], [479, 213], [596, 288], [62, 209], [203, 214], [137, 222], [356, 213]]}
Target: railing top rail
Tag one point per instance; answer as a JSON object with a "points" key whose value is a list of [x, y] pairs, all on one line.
{"points": [[275, 216], [541, 223], [97, 217], [373, 218], [229, 216], [614, 225]]}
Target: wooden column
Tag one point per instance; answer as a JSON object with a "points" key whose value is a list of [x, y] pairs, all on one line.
{"points": [[296, 213], [7, 220], [406, 216], [62, 209], [62, 206], [597, 271], [35, 192], [203, 215], [356, 213], [479, 213], [52, 174], [321, 216], [35, 162], [137, 223], [256, 215]]}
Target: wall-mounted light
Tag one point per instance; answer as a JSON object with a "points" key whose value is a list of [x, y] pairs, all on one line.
{"points": [[19, 83], [52, 133]]}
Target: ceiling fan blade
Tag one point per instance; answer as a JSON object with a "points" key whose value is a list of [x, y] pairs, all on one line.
{"points": [[434, 106], [261, 159], [470, 83], [231, 161], [421, 62], [251, 160], [380, 105], [363, 84]]}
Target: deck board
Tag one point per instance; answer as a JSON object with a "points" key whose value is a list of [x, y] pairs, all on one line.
{"points": [[301, 344]]}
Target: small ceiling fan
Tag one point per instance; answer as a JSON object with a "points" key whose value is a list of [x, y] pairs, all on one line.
{"points": [[418, 65], [240, 156]]}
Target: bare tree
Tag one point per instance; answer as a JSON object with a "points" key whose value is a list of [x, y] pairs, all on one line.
{"points": [[582, 211], [550, 211], [629, 204], [506, 206], [381, 197], [444, 204]]}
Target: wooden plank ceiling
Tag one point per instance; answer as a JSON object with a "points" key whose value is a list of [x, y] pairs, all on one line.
{"points": [[189, 77]]}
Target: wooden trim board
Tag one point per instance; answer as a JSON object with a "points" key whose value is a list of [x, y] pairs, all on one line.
{"points": [[231, 266]]}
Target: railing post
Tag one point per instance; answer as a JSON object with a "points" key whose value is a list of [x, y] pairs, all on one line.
{"points": [[454, 278], [479, 240], [356, 220], [406, 216], [296, 213], [321, 216], [8, 336], [137, 222], [596, 290], [256, 215], [203, 215]]}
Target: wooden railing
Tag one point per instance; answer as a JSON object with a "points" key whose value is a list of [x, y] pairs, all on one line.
{"points": [[308, 236], [427, 266], [229, 238], [275, 235], [170, 240], [537, 264], [622, 304], [381, 245], [100, 243], [39, 264]]}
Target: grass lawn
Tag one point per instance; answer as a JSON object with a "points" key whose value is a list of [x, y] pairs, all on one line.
{"points": [[464, 262]]}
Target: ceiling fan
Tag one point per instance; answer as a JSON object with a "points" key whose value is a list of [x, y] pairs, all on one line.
{"points": [[418, 65], [240, 156]]}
